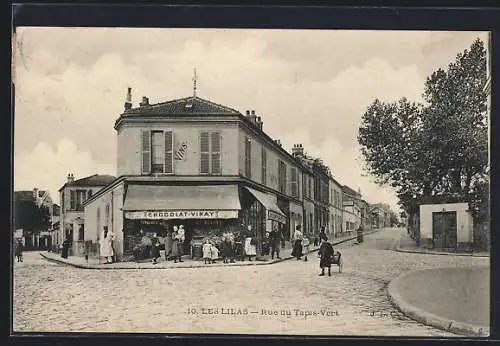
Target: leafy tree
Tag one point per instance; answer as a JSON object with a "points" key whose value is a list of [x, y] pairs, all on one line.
{"points": [[30, 217], [435, 148]]}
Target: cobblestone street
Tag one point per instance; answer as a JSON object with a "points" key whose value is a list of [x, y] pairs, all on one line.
{"points": [[284, 298]]}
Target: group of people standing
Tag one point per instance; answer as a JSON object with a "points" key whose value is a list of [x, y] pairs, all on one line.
{"points": [[232, 248], [174, 244]]}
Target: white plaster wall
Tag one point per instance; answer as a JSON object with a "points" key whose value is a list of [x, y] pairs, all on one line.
{"points": [[464, 220]]}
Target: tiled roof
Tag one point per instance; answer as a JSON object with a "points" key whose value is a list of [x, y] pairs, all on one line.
{"points": [[187, 105], [93, 180]]}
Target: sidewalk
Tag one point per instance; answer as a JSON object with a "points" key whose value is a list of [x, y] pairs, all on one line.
{"points": [[93, 263], [451, 299], [406, 244]]}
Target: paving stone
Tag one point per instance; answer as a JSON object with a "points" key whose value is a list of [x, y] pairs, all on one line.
{"points": [[56, 298]]}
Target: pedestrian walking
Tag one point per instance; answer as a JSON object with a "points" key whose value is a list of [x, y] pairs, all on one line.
{"points": [[326, 254], [19, 250], [168, 245], [322, 235], [155, 248], [65, 248], [297, 246], [250, 248], [207, 252], [305, 247], [106, 245], [275, 237]]}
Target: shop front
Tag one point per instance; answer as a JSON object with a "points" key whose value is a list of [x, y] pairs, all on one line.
{"points": [[204, 212], [261, 211]]}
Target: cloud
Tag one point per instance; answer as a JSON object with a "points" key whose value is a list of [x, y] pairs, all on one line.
{"points": [[315, 91], [46, 168]]}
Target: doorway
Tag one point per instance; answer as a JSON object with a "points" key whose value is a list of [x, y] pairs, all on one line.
{"points": [[444, 229]]}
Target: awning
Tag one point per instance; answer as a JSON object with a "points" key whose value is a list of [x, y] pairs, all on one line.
{"points": [[270, 203], [181, 202]]}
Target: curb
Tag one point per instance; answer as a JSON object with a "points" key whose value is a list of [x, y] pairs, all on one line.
{"points": [[132, 267], [428, 318], [423, 252]]}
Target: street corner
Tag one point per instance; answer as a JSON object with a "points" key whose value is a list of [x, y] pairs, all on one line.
{"points": [[433, 311]]}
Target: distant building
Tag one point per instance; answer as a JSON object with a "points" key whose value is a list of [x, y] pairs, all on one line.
{"points": [[382, 215], [353, 207], [336, 207], [34, 239], [72, 196]]}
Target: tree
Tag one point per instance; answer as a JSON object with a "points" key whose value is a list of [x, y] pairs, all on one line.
{"points": [[30, 217], [435, 148]]}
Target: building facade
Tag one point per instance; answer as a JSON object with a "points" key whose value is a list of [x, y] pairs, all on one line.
{"points": [[336, 207], [199, 164], [72, 196], [382, 216]]}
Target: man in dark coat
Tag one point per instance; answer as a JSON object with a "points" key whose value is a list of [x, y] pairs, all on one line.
{"points": [[275, 237], [326, 253], [227, 250], [19, 250], [322, 235]]}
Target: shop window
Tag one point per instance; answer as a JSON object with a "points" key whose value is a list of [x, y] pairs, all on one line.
{"points": [[248, 157], [72, 200]]}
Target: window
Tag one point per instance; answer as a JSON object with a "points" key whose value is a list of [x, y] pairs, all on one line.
{"points": [[281, 176], [107, 215], [294, 182], [81, 196], [81, 233], [248, 157], [157, 152], [72, 199], [89, 194], [309, 182], [210, 153], [98, 219], [264, 166], [146, 152]]}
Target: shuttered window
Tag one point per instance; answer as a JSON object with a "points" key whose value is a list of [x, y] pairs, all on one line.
{"points": [[294, 182], [169, 152], [215, 153], [282, 176], [157, 152], [264, 166], [204, 153], [72, 195], [248, 157], [145, 152]]}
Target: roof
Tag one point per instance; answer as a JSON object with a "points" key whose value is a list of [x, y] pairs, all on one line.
{"points": [[92, 180], [351, 192], [23, 195], [185, 106]]}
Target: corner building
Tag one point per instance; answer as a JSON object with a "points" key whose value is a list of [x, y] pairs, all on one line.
{"points": [[195, 163]]}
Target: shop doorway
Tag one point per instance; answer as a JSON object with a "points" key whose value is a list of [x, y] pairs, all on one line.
{"points": [[444, 229]]}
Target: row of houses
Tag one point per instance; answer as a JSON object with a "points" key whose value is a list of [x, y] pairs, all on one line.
{"points": [[212, 169]]}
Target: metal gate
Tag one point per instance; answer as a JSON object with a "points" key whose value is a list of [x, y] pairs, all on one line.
{"points": [[444, 229]]}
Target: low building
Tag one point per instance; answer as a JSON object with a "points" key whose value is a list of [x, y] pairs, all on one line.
{"points": [[446, 226], [382, 214], [72, 196]]}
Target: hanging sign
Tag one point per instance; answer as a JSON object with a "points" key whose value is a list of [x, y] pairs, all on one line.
{"points": [[272, 215]]}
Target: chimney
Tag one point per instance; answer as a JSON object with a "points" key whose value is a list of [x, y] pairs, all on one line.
{"points": [[70, 178], [247, 113], [128, 99], [278, 142], [298, 150], [259, 122], [35, 193], [145, 101]]}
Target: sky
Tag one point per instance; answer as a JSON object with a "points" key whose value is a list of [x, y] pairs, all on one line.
{"points": [[309, 86]]}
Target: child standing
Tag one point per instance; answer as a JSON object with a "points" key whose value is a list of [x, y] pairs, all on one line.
{"points": [[214, 253], [207, 252], [305, 247]]}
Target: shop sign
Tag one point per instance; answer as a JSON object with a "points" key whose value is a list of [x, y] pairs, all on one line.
{"points": [[272, 215], [181, 214], [181, 151]]}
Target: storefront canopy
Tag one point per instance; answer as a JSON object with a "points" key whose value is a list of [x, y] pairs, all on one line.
{"points": [[269, 202], [181, 202]]}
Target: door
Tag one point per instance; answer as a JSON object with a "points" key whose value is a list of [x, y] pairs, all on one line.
{"points": [[444, 229]]}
